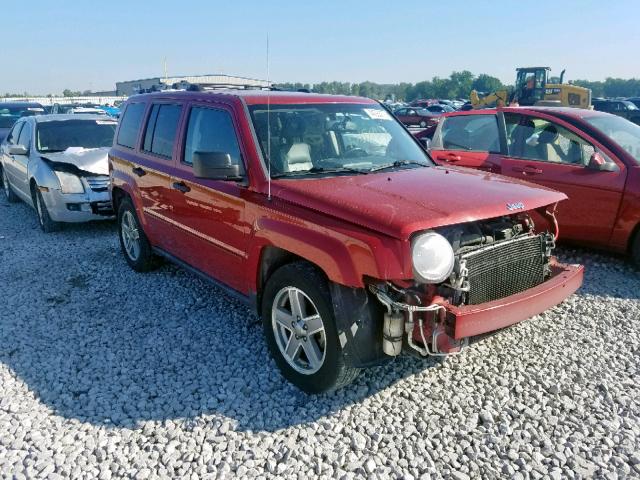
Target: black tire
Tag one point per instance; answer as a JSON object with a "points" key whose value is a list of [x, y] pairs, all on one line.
{"points": [[635, 250], [44, 219], [423, 124], [6, 187], [333, 373], [141, 258]]}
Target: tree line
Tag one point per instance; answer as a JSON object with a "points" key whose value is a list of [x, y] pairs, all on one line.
{"points": [[457, 85]]}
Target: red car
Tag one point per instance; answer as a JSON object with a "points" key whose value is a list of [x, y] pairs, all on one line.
{"points": [[593, 157], [416, 117], [327, 217]]}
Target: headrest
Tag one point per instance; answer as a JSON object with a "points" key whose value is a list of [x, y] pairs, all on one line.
{"points": [[548, 135]]}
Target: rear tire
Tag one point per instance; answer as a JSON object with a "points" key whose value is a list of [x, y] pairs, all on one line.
{"points": [[44, 219], [297, 317], [635, 250], [423, 124], [6, 187], [135, 245]]}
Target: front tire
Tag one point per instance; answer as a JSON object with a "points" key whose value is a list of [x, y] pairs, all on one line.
{"points": [[44, 219], [133, 241], [6, 187], [300, 329]]}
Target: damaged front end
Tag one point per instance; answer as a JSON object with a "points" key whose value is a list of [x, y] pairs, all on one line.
{"points": [[503, 272]]}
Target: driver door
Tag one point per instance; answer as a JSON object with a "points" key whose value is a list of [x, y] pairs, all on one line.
{"points": [[468, 141]]}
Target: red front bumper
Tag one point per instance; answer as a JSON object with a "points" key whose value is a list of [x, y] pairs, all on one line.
{"points": [[473, 320]]}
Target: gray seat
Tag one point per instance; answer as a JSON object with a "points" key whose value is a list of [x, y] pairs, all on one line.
{"points": [[298, 158]]}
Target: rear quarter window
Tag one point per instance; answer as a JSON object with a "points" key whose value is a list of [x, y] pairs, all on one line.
{"points": [[130, 124], [160, 134]]}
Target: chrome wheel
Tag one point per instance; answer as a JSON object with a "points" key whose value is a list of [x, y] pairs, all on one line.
{"points": [[298, 330], [130, 235]]}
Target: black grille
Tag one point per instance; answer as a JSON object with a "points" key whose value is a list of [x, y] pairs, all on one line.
{"points": [[102, 208], [505, 269]]}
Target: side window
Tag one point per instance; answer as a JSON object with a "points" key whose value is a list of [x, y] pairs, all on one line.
{"points": [[25, 136], [14, 134], [162, 126], [539, 139], [470, 132], [211, 130], [130, 124]]}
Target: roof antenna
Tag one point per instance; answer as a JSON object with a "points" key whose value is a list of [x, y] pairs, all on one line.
{"points": [[268, 126]]}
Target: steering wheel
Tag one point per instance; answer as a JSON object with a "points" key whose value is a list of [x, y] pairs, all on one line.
{"points": [[356, 152]]}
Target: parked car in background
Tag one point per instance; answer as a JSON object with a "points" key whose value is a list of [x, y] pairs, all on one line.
{"points": [[10, 112], [591, 156], [326, 215], [635, 101], [58, 165], [439, 108], [418, 117], [622, 108], [86, 111]]}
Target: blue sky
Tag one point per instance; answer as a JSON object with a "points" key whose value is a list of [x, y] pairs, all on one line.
{"points": [[52, 45]]}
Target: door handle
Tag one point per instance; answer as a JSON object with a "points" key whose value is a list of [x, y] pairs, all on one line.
{"points": [[528, 170], [450, 157], [181, 186], [139, 171]]}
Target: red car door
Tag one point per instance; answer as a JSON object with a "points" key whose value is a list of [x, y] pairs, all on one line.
{"points": [[545, 151], [211, 213], [471, 140]]}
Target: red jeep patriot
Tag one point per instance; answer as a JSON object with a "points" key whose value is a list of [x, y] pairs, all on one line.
{"points": [[330, 219]]}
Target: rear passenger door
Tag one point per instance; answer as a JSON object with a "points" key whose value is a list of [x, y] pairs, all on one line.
{"points": [[20, 163], [210, 213], [469, 141]]}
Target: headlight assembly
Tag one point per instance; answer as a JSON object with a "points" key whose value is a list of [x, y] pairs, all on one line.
{"points": [[69, 183], [432, 257]]}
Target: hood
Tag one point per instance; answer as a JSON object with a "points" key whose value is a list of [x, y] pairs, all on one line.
{"points": [[402, 202], [92, 160]]}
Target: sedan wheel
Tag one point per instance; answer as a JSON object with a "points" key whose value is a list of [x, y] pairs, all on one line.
{"points": [[423, 124], [11, 197], [44, 219], [298, 330]]}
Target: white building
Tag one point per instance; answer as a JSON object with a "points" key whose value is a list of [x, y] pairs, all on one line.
{"points": [[132, 87]]}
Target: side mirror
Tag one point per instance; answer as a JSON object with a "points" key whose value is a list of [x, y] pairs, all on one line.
{"points": [[215, 166], [18, 150], [600, 163]]}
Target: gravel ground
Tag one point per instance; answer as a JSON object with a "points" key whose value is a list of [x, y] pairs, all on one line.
{"points": [[107, 373]]}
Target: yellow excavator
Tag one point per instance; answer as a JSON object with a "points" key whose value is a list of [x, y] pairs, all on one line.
{"points": [[532, 88]]}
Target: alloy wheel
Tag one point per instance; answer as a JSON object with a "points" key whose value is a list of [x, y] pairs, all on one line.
{"points": [[299, 330], [130, 235], [39, 209]]}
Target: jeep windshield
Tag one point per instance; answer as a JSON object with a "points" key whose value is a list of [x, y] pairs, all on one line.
{"points": [[333, 139]]}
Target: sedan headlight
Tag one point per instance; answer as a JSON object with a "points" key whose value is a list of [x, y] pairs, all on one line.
{"points": [[69, 183], [432, 257]]}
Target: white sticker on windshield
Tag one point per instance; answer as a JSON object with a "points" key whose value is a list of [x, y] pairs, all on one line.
{"points": [[106, 122], [377, 114]]}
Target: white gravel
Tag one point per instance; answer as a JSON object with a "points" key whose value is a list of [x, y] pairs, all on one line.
{"points": [[106, 373]]}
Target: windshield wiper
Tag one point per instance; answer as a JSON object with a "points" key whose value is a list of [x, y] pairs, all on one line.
{"points": [[398, 163], [316, 170]]}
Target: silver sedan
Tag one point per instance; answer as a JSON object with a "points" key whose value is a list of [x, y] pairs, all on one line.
{"points": [[58, 164]]}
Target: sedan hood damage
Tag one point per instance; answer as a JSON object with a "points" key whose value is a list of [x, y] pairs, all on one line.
{"points": [[90, 160], [404, 202]]}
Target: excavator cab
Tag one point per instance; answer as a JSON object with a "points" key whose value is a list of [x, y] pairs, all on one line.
{"points": [[531, 83]]}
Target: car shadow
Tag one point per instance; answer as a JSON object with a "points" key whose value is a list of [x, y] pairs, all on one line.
{"points": [[96, 342]]}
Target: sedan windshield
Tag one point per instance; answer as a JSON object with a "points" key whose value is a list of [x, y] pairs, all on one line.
{"points": [[333, 138], [57, 136], [622, 131]]}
